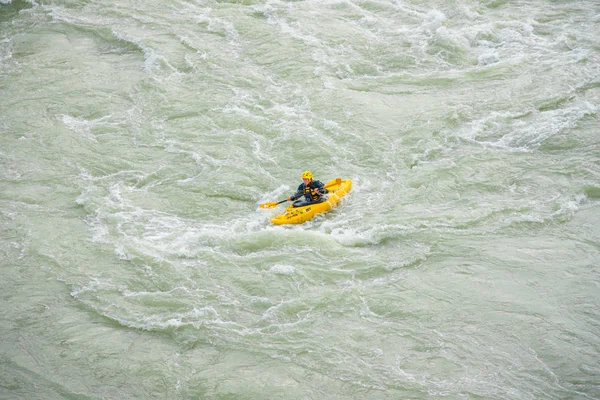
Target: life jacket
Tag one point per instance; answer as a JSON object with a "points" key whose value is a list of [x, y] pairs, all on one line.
{"points": [[308, 194]]}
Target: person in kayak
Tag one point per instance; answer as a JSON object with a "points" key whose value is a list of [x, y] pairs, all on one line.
{"points": [[312, 190]]}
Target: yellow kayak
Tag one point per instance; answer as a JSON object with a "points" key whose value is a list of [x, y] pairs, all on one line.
{"points": [[296, 215]]}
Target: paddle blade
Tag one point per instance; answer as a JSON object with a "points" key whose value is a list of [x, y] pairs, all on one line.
{"points": [[271, 204]]}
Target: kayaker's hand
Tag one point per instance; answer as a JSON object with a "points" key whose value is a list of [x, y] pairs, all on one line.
{"points": [[289, 198]]}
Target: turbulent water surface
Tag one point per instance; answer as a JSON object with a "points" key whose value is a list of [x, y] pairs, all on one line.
{"points": [[138, 138]]}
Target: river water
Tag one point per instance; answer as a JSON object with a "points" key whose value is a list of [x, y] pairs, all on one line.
{"points": [[137, 140]]}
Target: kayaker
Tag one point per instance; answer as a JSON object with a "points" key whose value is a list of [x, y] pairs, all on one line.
{"points": [[312, 190]]}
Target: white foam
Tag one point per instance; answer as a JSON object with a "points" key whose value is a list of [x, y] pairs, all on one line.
{"points": [[6, 49], [85, 127], [511, 130], [331, 126], [80, 126], [434, 20], [151, 57], [351, 237], [545, 125], [282, 269], [488, 58]]}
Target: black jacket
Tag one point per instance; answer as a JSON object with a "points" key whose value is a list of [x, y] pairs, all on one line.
{"points": [[306, 191]]}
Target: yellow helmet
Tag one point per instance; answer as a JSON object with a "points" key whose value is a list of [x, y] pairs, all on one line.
{"points": [[307, 175]]}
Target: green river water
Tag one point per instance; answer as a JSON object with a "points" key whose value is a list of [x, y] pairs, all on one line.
{"points": [[138, 138]]}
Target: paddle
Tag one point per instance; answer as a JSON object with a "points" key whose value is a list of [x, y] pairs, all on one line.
{"points": [[272, 204]]}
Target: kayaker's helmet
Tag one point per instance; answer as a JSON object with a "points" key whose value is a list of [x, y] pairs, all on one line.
{"points": [[307, 175]]}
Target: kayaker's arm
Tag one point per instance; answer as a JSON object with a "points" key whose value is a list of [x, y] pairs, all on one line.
{"points": [[319, 188], [299, 193]]}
